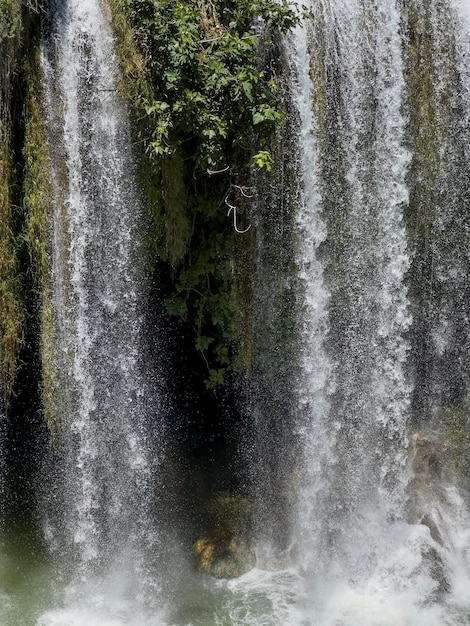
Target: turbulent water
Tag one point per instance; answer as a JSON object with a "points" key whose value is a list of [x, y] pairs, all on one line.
{"points": [[379, 528]]}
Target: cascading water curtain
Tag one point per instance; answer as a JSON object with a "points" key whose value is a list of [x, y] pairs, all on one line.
{"points": [[380, 522], [105, 528], [375, 331], [358, 130], [317, 378]]}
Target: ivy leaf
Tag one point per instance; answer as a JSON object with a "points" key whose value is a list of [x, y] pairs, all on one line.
{"points": [[262, 161], [171, 77], [216, 378], [157, 148], [258, 118], [176, 306], [209, 133], [202, 343]]}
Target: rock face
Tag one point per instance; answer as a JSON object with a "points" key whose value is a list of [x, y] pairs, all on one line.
{"points": [[439, 457], [225, 550]]}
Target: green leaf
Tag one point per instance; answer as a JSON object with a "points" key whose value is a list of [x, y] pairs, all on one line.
{"points": [[216, 378], [176, 306], [248, 89], [202, 342], [262, 161], [258, 118]]}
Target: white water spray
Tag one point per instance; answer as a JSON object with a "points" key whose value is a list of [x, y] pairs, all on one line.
{"points": [[316, 378], [370, 402]]}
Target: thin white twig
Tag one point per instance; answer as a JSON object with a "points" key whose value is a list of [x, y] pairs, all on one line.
{"points": [[211, 172], [235, 224], [234, 209], [244, 190]]}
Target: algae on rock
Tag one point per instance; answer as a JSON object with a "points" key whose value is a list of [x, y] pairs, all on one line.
{"points": [[24, 191], [225, 550]]}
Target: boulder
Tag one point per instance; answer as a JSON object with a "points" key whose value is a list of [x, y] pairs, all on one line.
{"points": [[223, 557], [224, 551]]}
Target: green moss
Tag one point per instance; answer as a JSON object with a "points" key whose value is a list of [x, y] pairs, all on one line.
{"points": [[36, 181], [175, 199], [267, 276], [37, 208], [229, 514], [11, 292], [244, 251], [422, 104], [10, 18], [433, 134], [11, 301], [24, 197], [430, 75], [455, 424]]}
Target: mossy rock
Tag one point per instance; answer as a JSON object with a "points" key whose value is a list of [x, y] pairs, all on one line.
{"points": [[441, 445], [223, 557], [225, 550]]}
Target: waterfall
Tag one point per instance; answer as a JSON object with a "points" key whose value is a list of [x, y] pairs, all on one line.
{"points": [[361, 359], [317, 378], [354, 417], [105, 406], [363, 178]]}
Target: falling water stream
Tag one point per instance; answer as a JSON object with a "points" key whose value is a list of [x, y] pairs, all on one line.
{"points": [[369, 398], [380, 521], [105, 521]]}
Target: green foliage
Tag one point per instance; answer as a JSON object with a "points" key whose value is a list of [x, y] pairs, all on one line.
{"points": [[208, 87], [203, 102], [262, 160]]}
